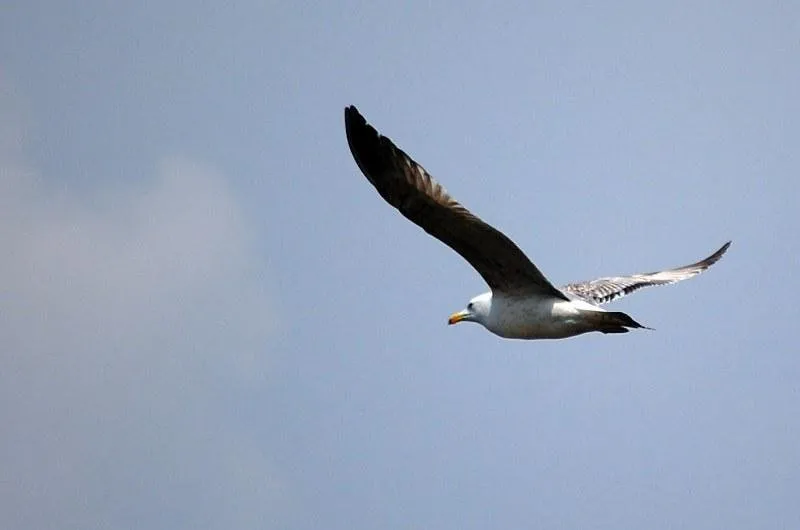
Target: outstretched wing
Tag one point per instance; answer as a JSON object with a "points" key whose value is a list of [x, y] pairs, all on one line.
{"points": [[604, 290], [408, 187]]}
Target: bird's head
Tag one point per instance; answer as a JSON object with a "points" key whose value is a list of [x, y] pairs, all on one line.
{"points": [[477, 310]]}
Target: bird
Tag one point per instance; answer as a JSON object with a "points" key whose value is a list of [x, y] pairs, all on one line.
{"points": [[521, 302]]}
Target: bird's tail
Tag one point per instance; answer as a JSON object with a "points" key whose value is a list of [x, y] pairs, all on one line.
{"points": [[613, 321]]}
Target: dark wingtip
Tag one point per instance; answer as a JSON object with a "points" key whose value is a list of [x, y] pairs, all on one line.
{"points": [[351, 112], [713, 258], [353, 119], [360, 136], [371, 151]]}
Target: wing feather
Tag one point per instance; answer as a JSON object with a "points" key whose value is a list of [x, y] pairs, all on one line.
{"points": [[604, 290], [410, 189]]}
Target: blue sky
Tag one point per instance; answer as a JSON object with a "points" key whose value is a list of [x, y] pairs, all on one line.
{"points": [[209, 319]]}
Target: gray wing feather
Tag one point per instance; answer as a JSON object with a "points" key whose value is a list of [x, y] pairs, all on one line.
{"points": [[411, 190], [605, 290]]}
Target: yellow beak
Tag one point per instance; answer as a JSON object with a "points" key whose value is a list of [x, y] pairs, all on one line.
{"points": [[455, 318]]}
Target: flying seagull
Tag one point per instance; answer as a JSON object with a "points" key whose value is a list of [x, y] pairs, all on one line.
{"points": [[521, 303]]}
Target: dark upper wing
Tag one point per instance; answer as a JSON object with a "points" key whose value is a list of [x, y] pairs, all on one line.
{"points": [[605, 290], [409, 188]]}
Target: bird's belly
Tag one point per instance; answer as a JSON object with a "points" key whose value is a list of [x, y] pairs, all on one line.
{"points": [[544, 320], [550, 330]]}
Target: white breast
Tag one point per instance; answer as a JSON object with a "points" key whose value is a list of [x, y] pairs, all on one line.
{"points": [[537, 318]]}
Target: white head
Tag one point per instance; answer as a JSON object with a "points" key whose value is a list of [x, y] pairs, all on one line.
{"points": [[477, 310]]}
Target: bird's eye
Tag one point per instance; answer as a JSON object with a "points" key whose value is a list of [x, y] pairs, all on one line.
{"points": [[469, 305]]}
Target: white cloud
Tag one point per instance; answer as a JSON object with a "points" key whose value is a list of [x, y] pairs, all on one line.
{"points": [[124, 319]]}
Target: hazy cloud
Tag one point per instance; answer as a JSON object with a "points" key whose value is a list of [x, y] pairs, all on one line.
{"points": [[126, 317]]}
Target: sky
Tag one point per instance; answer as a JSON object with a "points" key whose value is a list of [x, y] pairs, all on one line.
{"points": [[210, 319]]}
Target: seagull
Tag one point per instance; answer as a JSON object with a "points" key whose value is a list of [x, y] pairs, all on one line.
{"points": [[521, 302]]}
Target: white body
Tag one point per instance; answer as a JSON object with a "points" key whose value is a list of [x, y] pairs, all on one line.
{"points": [[532, 317]]}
